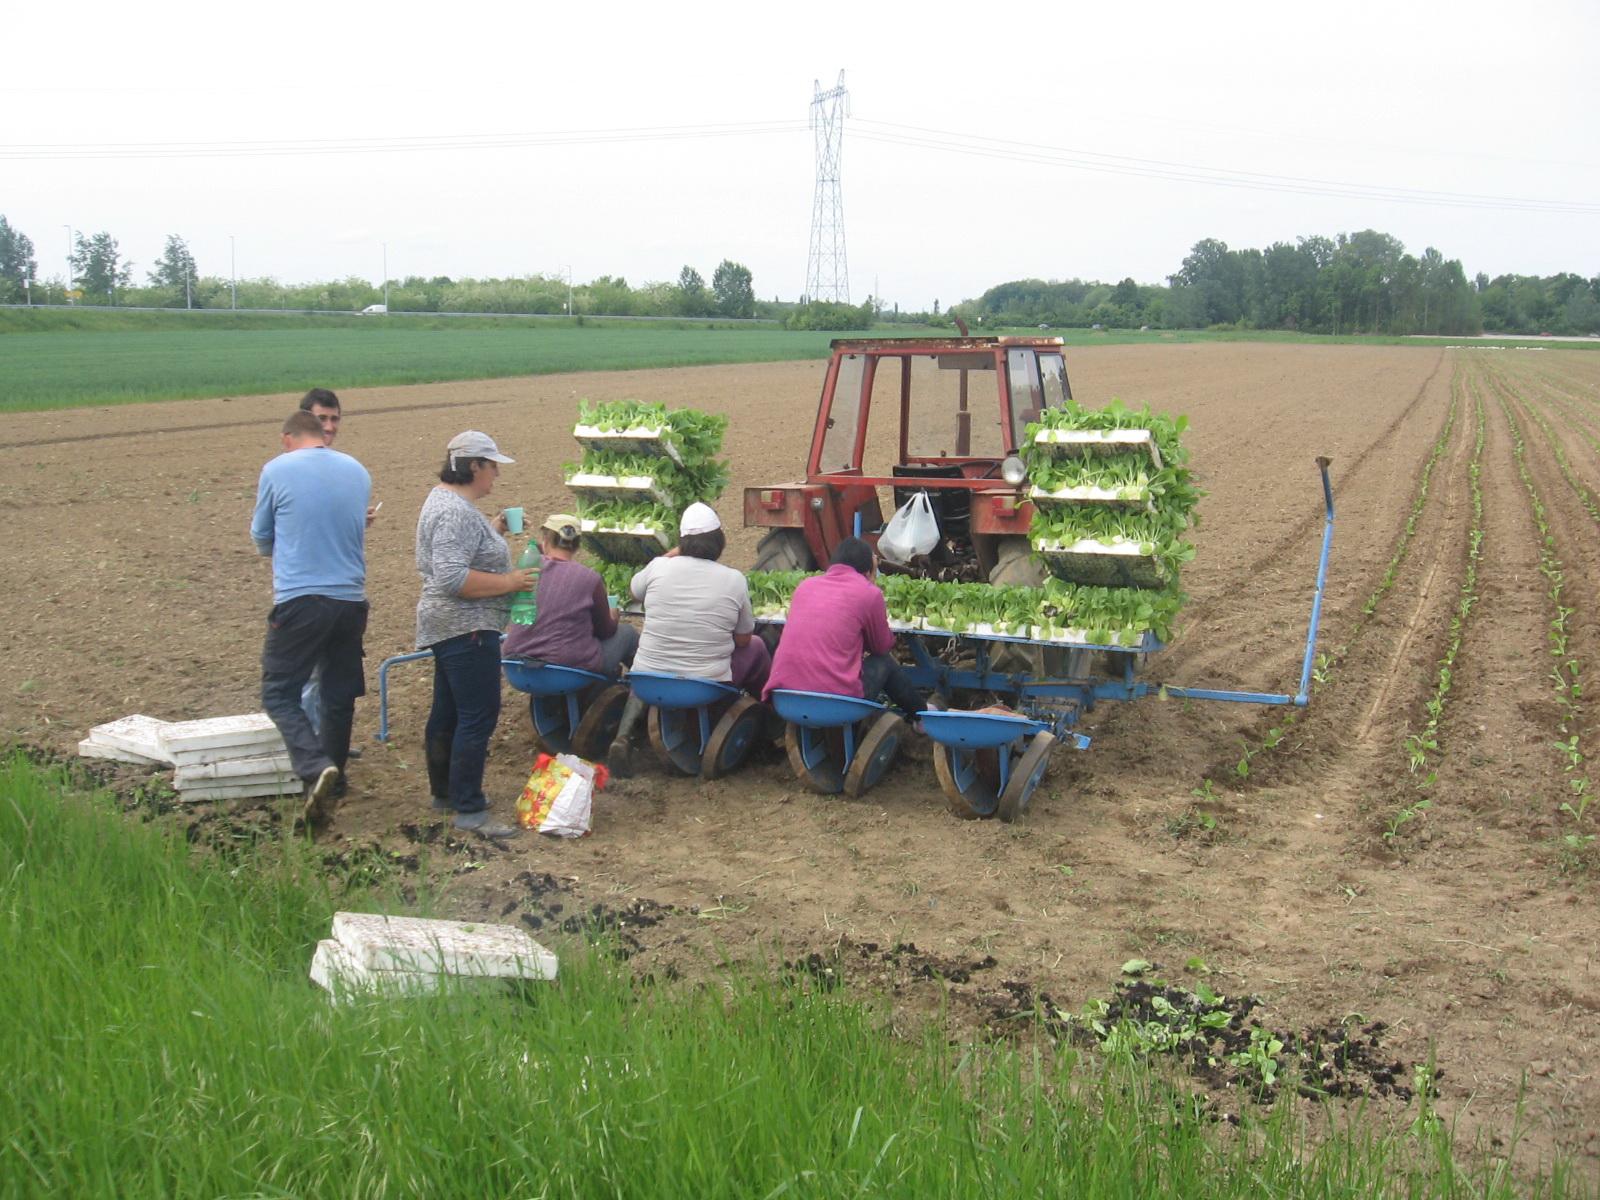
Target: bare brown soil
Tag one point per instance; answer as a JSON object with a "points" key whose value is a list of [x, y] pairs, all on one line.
{"points": [[131, 586]]}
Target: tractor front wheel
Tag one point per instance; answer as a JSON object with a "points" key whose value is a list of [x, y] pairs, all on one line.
{"points": [[784, 550]]}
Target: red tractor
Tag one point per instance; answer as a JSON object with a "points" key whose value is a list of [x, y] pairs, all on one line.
{"points": [[963, 404]]}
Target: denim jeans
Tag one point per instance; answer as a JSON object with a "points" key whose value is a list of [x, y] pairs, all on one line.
{"points": [[880, 673], [466, 707], [306, 635]]}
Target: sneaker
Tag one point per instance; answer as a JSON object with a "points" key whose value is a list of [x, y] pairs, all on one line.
{"points": [[321, 800], [619, 759], [482, 824]]}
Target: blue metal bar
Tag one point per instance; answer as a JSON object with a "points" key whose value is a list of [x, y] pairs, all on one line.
{"points": [[1303, 695], [383, 688], [1184, 693]]}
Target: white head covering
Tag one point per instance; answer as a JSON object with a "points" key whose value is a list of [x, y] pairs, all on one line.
{"points": [[698, 518]]}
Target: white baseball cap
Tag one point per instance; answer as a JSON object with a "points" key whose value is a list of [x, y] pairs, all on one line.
{"points": [[473, 444], [698, 518]]}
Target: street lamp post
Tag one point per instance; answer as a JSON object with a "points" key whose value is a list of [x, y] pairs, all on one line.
{"points": [[385, 276], [233, 274], [188, 301], [66, 298]]}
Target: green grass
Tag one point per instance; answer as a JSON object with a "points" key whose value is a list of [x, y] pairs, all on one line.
{"points": [[50, 370], [161, 1039]]}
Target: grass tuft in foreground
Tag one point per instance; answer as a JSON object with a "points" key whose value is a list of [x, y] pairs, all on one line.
{"points": [[162, 1039]]}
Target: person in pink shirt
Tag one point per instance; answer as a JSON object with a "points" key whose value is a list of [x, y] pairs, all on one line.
{"points": [[837, 637]]}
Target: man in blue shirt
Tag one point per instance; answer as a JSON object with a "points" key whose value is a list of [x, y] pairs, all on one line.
{"points": [[310, 518]]}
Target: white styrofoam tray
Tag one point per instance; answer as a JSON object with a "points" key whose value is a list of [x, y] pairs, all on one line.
{"points": [[640, 439], [247, 729], [135, 734], [264, 767], [1088, 495], [89, 749], [1100, 441], [232, 790], [340, 972], [382, 943], [627, 486]]}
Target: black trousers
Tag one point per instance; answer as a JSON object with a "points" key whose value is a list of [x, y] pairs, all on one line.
{"points": [[304, 634], [882, 675]]}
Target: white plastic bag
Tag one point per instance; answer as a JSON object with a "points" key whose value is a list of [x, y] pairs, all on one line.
{"points": [[559, 796], [913, 530]]}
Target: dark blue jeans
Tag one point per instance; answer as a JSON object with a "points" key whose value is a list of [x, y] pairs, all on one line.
{"points": [[466, 707], [881, 674], [306, 635]]}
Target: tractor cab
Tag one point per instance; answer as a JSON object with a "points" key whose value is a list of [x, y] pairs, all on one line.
{"points": [[902, 415]]}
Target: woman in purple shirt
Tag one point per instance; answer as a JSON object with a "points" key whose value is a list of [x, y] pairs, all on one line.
{"points": [[576, 625]]}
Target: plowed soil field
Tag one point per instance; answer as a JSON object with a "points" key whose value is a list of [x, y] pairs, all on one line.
{"points": [[1411, 850]]}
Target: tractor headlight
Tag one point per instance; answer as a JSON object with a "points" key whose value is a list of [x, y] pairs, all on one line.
{"points": [[1012, 471]]}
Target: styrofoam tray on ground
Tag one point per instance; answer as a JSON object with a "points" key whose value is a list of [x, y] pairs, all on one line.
{"points": [[264, 767], [639, 439], [1100, 441], [382, 943], [340, 972], [89, 749], [257, 747], [247, 729], [626, 487], [135, 734], [233, 790]]}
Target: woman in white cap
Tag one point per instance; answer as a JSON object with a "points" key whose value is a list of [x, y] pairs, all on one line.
{"points": [[697, 620], [467, 585]]}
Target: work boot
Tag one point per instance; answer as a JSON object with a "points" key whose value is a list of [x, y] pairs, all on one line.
{"points": [[321, 798], [482, 824], [619, 758], [438, 753]]}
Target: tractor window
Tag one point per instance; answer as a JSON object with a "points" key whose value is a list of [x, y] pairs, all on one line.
{"points": [[955, 407], [839, 441], [1057, 391], [1027, 393]]}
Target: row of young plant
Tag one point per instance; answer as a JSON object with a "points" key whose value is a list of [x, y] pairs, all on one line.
{"points": [[1058, 610], [1425, 741], [1566, 670], [1327, 664]]}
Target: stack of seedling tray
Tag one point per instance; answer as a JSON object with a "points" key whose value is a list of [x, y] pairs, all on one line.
{"points": [[642, 465], [1111, 496]]}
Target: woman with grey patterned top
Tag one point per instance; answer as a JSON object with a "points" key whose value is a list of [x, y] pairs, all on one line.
{"points": [[467, 585]]}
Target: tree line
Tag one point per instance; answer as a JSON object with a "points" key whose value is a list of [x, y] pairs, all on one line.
{"points": [[1362, 282]]}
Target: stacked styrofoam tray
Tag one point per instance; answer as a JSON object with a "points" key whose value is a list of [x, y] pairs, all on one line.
{"points": [[1090, 495], [635, 543], [640, 439], [618, 487], [221, 758], [132, 739], [1127, 561], [1100, 441], [408, 956]]}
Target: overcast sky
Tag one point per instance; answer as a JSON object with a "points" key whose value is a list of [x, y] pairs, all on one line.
{"points": [[1113, 116]]}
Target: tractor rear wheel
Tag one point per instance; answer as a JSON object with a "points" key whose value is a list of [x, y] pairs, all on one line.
{"points": [[1014, 564], [784, 550]]}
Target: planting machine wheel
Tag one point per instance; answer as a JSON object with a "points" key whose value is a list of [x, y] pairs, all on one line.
{"points": [[675, 734], [874, 754], [1026, 773], [598, 725], [970, 780], [1015, 566], [733, 737], [784, 550], [552, 724], [817, 756]]}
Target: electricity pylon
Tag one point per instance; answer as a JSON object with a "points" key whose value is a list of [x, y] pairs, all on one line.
{"points": [[827, 271]]}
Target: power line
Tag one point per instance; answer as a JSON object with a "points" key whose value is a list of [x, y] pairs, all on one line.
{"points": [[946, 141], [69, 151]]}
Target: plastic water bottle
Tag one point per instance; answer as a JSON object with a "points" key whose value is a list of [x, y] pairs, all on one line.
{"points": [[525, 605]]}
